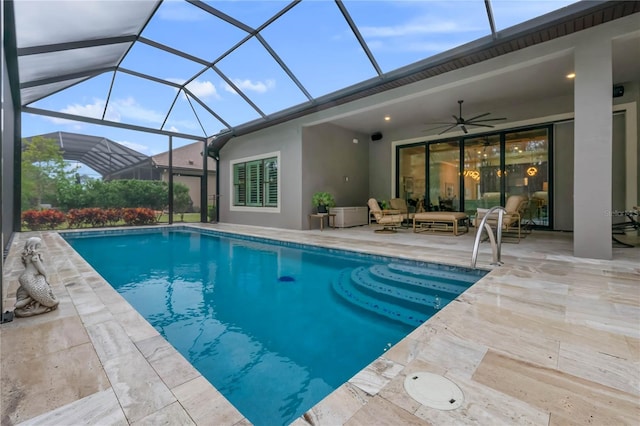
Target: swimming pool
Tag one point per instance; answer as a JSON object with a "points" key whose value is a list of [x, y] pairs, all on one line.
{"points": [[274, 326]]}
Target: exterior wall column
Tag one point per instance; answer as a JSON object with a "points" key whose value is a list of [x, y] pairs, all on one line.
{"points": [[593, 149]]}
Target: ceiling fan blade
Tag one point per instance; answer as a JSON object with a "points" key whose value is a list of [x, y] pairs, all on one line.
{"points": [[464, 129], [440, 127], [480, 125], [447, 123], [489, 119], [434, 128], [447, 129], [478, 116], [458, 120]]}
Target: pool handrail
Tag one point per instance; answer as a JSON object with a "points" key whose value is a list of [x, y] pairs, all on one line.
{"points": [[496, 242]]}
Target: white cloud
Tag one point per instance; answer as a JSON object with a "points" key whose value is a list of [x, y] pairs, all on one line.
{"points": [[416, 27], [228, 88], [92, 110], [250, 86], [179, 125], [422, 33], [126, 109], [203, 89], [130, 109]]}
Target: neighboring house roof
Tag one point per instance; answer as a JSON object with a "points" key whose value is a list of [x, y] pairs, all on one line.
{"points": [[185, 157], [101, 154]]}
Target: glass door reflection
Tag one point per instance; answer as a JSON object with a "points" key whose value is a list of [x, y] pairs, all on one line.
{"points": [[412, 179], [527, 168], [444, 176], [482, 173]]}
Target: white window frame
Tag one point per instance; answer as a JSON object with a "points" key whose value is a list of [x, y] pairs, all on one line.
{"points": [[255, 209]]}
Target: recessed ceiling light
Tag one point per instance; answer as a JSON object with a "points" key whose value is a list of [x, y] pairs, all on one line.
{"points": [[387, 118], [571, 75]]}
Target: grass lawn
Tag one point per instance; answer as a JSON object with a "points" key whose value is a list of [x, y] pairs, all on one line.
{"points": [[188, 218]]}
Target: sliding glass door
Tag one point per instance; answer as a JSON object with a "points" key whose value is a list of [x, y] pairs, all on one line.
{"points": [[412, 174], [444, 175], [527, 171], [482, 173], [468, 173]]}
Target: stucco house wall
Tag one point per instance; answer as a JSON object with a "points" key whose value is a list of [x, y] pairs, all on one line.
{"points": [[335, 160], [314, 152], [284, 139]]}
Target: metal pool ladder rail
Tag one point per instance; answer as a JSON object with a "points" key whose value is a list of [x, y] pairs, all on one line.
{"points": [[496, 242]]}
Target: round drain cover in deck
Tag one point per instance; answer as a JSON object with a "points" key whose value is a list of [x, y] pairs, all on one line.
{"points": [[434, 391]]}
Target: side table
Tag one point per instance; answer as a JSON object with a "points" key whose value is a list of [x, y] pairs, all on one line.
{"points": [[331, 219]]}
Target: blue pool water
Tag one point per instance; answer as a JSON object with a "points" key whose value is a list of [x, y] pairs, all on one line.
{"points": [[274, 326]]}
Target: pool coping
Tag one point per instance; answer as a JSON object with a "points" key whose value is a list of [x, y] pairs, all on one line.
{"points": [[130, 325], [118, 333]]}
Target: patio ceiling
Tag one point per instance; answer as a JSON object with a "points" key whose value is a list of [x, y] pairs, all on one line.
{"points": [[229, 68]]}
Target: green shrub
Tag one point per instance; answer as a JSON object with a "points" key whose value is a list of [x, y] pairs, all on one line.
{"points": [[181, 200], [121, 193], [211, 212]]}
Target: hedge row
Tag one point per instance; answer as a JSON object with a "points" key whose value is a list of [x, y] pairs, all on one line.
{"points": [[111, 194], [39, 219], [94, 217]]}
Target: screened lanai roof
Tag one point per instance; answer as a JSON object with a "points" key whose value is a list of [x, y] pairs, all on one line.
{"points": [[203, 68], [101, 154]]}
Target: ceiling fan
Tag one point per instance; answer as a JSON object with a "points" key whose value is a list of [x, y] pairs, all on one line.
{"points": [[461, 122]]}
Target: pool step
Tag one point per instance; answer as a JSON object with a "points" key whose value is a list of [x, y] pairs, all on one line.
{"points": [[420, 281], [406, 293], [457, 275], [345, 287], [393, 291]]}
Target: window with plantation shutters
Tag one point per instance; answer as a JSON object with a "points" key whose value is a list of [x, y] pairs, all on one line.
{"points": [[255, 183], [271, 182], [239, 184]]}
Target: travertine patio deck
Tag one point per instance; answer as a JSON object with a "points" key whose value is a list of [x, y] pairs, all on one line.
{"points": [[545, 339]]}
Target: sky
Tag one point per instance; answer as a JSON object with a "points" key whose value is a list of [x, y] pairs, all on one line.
{"points": [[312, 39]]}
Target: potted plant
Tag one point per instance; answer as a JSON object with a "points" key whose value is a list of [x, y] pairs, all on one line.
{"points": [[322, 201]]}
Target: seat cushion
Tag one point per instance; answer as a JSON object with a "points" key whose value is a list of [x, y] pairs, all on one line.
{"points": [[446, 216]]}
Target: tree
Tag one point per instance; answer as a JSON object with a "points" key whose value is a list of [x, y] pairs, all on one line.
{"points": [[181, 199], [43, 169]]}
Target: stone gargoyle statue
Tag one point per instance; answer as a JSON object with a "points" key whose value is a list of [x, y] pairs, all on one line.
{"points": [[34, 296]]}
